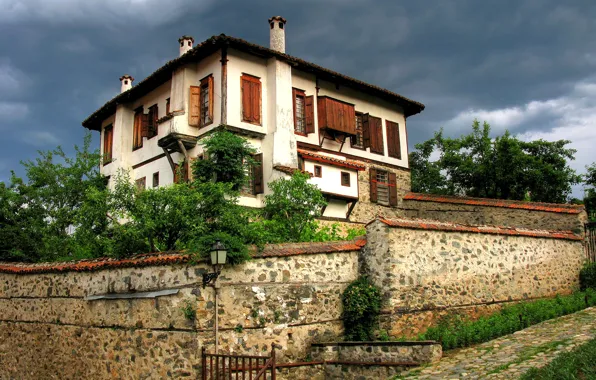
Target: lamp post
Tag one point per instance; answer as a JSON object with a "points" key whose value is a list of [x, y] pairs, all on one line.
{"points": [[218, 256]]}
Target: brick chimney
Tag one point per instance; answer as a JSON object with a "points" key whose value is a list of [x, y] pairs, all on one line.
{"points": [[277, 34], [126, 81], [186, 43]]}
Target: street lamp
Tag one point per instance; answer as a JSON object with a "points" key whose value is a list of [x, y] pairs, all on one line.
{"points": [[218, 255]]}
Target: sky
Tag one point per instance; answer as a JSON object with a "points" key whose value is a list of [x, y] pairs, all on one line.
{"points": [[528, 66]]}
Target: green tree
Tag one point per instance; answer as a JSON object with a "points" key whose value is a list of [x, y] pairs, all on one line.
{"points": [[505, 167], [44, 208], [590, 194], [292, 207]]}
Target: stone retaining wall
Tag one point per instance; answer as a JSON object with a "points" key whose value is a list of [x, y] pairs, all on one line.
{"points": [[425, 269], [378, 352]]}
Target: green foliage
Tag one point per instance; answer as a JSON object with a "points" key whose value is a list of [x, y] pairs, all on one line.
{"points": [[189, 311], [362, 305], [37, 214], [291, 209], [227, 159], [576, 364], [505, 167], [320, 233], [239, 328], [590, 193], [454, 330], [587, 276]]}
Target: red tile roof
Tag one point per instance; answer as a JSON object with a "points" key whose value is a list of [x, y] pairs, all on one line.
{"points": [[535, 206], [289, 170], [311, 156], [425, 224], [171, 258]]}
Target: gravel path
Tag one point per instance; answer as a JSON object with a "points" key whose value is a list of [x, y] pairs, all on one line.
{"points": [[510, 356]]}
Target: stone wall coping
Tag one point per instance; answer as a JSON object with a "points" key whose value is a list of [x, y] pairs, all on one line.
{"points": [[407, 343], [533, 206], [434, 225], [172, 258]]}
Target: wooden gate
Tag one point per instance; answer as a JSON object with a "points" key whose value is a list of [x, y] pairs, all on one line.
{"points": [[236, 367], [591, 241]]}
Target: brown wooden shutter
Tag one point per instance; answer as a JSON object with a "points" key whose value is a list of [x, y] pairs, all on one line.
{"points": [[145, 125], [373, 184], [210, 81], [258, 174], [376, 135], [393, 143], [392, 189], [194, 112], [366, 130], [309, 109], [256, 102], [246, 103], [176, 176]]}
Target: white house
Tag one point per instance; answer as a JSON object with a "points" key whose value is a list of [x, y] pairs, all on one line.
{"points": [[349, 134]]}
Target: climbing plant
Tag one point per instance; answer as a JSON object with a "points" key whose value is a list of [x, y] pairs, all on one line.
{"points": [[362, 305]]}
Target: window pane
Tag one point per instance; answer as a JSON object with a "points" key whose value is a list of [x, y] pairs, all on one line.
{"points": [[205, 104], [382, 187], [357, 141], [300, 115]]}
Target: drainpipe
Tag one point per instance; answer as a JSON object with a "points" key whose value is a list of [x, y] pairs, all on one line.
{"points": [[216, 290]]}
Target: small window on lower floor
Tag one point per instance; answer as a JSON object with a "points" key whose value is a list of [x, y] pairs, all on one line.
{"points": [[382, 187], [345, 179], [318, 171], [156, 179], [141, 183]]}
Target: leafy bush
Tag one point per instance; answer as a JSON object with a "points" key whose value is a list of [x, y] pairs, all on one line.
{"points": [[587, 276], [362, 305], [454, 330]]}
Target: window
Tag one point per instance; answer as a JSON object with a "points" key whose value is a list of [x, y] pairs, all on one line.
{"points": [[108, 141], [156, 179], [167, 106], [137, 133], [152, 121], [345, 179], [383, 187], [393, 143], [140, 183], [254, 174], [357, 140], [251, 99], [299, 111], [206, 101], [318, 171], [336, 115]]}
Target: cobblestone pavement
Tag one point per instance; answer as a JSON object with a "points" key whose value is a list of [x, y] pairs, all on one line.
{"points": [[510, 356]]}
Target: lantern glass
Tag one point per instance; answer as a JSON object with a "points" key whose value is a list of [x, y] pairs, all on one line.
{"points": [[222, 256], [213, 257]]}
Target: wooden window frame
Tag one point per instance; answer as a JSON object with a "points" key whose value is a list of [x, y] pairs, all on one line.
{"points": [[155, 180], [391, 152], [391, 185], [295, 94], [108, 144], [167, 106], [318, 171], [253, 79], [141, 183], [345, 179], [206, 82], [137, 129], [352, 144]]}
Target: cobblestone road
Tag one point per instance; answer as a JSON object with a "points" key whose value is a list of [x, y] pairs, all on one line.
{"points": [[512, 355]]}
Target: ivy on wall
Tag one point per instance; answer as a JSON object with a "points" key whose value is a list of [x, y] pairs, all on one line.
{"points": [[361, 308]]}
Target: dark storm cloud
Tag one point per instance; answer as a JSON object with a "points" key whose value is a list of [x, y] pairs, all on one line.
{"points": [[522, 65]]}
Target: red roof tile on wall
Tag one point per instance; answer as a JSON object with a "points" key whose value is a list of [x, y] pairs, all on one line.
{"points": [[308, 155], [433, 225], [171, 258], [535, 206]]}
